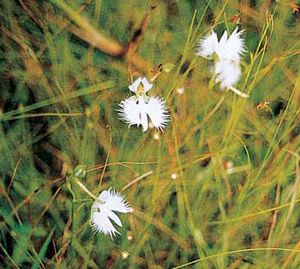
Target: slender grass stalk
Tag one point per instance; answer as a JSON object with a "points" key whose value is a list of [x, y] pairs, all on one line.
{"points": [[234, 252], [95, 88]]}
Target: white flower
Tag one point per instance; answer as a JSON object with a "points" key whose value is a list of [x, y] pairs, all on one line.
{"points": [[230, 48], [143, 110], [208, 45], [102, 212], [139, 110], [157, 112], [227, 73], [227, 68]]}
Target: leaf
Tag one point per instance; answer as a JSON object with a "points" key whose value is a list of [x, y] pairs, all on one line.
{"points": [[22, 243], [42, 251]]}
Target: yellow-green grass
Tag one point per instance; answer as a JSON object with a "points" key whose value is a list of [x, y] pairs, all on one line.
{"points": [[219, 188]]}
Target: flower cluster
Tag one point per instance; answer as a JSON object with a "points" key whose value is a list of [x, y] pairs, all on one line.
{"points": [[227, 56], [142, 109], [146, 111]]}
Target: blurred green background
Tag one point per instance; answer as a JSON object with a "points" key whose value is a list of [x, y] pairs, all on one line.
{"points": [[223, 177]]}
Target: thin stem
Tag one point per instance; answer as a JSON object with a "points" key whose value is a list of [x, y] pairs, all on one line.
{"points": [[85, 189], [137, 179], [235, 251], [252, 215]]}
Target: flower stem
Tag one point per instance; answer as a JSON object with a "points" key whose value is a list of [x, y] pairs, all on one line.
{"points": [[152, 79], [85, 189]]}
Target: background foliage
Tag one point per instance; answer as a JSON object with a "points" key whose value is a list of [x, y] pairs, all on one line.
{"points": [[223, 177]]}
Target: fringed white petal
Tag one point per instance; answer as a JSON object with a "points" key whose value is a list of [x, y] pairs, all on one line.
{"points": [[157, 112], [229, 47], [207, 46], [103, 212], [232, 47], [131, 111], [115, 201], [138, 111]]}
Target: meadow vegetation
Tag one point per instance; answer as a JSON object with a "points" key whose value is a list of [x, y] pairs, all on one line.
{"points": [[218, 188]]}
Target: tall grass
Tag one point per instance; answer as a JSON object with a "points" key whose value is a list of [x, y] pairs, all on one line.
{"points": [[219, 188]]}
